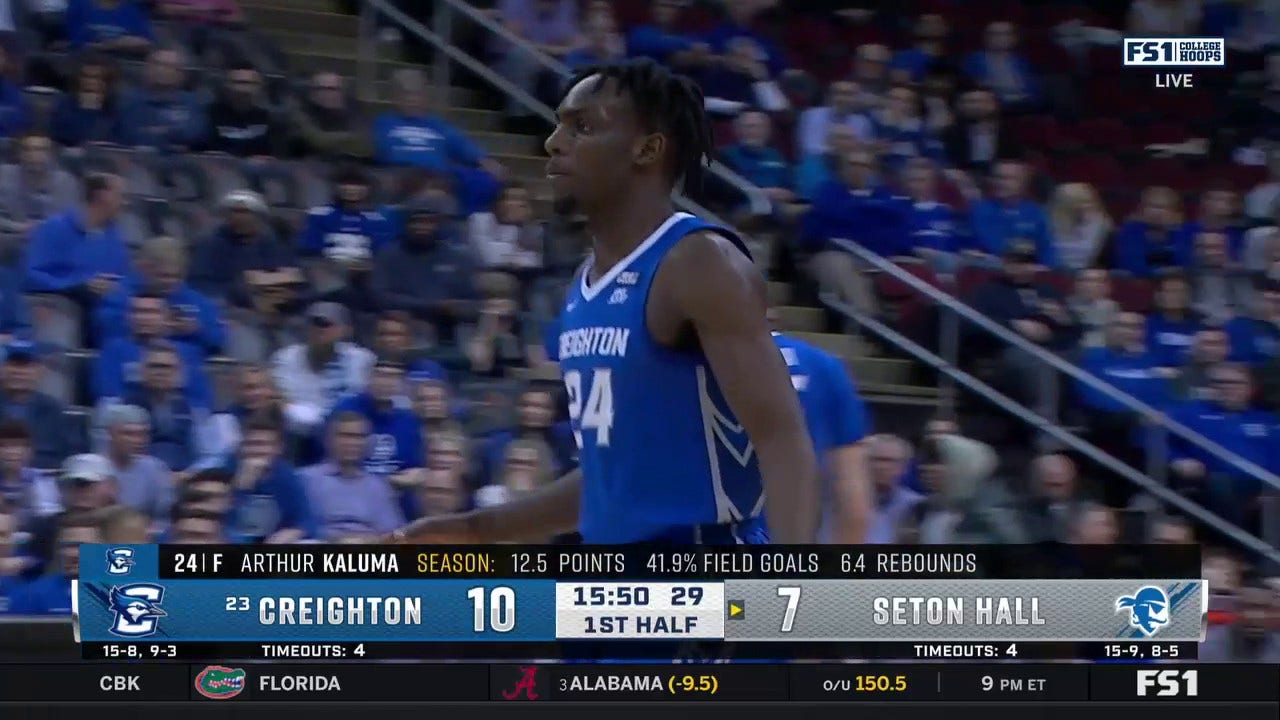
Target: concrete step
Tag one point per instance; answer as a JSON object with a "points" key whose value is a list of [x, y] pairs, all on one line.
{"points": [[901, 395], [879, 371], [795, 318], [302, 21], [306, 62], [840, 345], [291, 41]]}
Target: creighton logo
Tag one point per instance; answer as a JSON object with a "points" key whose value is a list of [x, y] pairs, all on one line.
{"points": [[220, 683], [119, 561], [1148, 609], [137, 609]]}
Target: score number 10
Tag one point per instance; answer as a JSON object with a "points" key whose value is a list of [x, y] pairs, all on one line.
{"points": [[494, 611]]}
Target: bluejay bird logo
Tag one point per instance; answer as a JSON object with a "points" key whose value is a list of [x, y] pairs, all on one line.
{"points": [[137, 609], [1148, 609], [119, 561]]}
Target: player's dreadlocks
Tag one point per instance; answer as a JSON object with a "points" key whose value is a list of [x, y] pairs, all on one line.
{"points": [[668, 103]]}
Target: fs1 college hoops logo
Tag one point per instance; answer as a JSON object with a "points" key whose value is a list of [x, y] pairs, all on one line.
{"points": [[1169, 52], [137, 609]]}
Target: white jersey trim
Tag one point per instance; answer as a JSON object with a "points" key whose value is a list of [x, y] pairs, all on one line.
{"points": [[717, 427], [589, 291]]}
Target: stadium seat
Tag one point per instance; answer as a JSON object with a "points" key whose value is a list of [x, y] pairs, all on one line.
{"points": [[1106, 134], [970, 277], [1097, 170], [1132, 294]]}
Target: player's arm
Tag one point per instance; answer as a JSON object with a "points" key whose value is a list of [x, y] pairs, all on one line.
{"points": [[847, 460], [715, 287], [551, 510]]}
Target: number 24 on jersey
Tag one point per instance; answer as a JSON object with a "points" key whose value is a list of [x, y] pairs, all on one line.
{"points": [[596, 413]]}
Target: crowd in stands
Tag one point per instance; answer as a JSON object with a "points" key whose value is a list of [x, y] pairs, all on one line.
{"points": [[238, 308]]}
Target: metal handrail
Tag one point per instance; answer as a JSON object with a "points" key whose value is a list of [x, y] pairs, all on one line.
{"points": [[1055, 431], [1153, 415], [759, 202]]}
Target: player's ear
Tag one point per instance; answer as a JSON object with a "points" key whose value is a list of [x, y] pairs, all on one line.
{"points": [[648, 149]]}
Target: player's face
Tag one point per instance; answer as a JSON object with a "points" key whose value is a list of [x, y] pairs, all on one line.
{"points": [[594, 147]]}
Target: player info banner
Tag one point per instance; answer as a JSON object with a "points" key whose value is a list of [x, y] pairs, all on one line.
{"points": [[122, 596]]}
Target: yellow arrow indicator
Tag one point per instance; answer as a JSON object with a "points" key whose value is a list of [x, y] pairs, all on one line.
{"points": [[734, 609]]}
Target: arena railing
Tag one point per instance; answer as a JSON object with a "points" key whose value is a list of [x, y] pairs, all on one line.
{"points": [[1159, 426], [440, 37]]}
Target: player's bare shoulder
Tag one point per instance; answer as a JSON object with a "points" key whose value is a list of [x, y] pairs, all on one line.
{"points": [[704, 275]]}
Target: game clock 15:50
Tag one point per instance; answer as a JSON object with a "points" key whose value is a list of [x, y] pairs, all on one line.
{"points": [[632, 595]]}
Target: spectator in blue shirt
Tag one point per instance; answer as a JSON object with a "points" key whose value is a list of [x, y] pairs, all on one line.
{"points": [[118, 367], [1150, 240], [1255, 338], [181, 434], [162, 270], [931, 225], [900, 130], [1172, 328], [601, 44], [930, 46], [90, 112], [762, 165], [1219, 213], [347, 501], [15, 315], [395, 450], [813, 129], [1000, 67], [736, 26], [269, 503], [837, 421], [21, 399], [11, 562], [814, 171], [81, 253], [121, 26], [347, 233], [163, 114], [1230, 421], [662, 40], [413, 137], [51, 594], [15, 114], [1009, 214], [29, 493], [536, 420]]}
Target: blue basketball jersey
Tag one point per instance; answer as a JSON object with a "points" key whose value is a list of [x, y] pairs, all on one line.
{"points": [[833, 410], [661, 454]]}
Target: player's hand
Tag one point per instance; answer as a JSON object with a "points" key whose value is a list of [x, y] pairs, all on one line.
{"points": [[440, 530]]}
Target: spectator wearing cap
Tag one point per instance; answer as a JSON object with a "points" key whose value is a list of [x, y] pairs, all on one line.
{"points": [[1230, 420], [1219, 213], [119, 367], [508, 238], [327, 121], [41, 414], [345, 236], [813, 130], [38, 186], [395, 452], [1255, 338], [163, 114], [414, 137], [977, 140], [162, 270], [1009, 214], [1002, 68], [51, 594], [90, 113], [269, 503], [143, 481], [1220, 289], [663, 40], [427, 274], [251, 272], [28, 494], [1150, 240], [349, 502], [313, 376], [182, 434], [86, 484], [1172, 328], [81, 254], [242, 124], [116, 26], [888, 460]]}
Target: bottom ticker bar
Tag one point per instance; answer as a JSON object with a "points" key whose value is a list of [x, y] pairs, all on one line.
{"points": [[638, 651], [534, 682]]}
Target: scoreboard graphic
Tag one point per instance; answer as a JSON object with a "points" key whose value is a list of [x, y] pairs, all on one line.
{"points": [[237, 601]]}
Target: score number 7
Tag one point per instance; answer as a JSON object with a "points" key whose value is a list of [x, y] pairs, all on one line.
{"points": [[792, 594]]}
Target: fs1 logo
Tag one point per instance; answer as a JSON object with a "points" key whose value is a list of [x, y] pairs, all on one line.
{"points": [[1169, 683], [120, 561], [1175, 52], [137, 609]]}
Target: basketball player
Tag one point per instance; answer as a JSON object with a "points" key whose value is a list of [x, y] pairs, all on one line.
{"points": [[688, 426], [837, 422]]}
